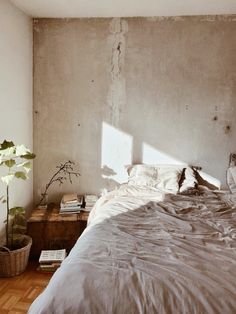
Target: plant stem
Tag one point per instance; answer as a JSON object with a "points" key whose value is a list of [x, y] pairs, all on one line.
{"points": [[66, 169], [48, 185], [7, 226], [12, 232]]}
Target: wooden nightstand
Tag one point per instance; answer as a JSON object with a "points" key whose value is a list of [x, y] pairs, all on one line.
{"points": [[51, 230]]}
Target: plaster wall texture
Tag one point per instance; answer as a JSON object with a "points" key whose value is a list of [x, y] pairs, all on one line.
{"points": [[16, 60], [110, 92]]}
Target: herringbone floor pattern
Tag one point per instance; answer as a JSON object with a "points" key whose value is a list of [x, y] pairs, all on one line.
{"points": [[17, 293]]}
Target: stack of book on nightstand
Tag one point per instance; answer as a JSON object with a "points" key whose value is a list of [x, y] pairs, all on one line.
{"points": [[71, 203], [50, 260], [90, 201]]}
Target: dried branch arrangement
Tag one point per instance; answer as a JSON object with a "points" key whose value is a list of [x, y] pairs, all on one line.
{"points": [[64, 171]]}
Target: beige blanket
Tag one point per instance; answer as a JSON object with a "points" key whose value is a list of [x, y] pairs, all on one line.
{"points": [[147, 252]]}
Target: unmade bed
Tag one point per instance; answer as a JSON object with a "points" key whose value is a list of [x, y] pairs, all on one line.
{"points": [[148, 251]]}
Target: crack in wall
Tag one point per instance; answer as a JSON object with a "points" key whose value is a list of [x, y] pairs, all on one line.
{"points": [[117, 90]]}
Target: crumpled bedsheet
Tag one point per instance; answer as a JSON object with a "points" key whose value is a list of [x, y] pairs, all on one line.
{"points": [[145, 251]]}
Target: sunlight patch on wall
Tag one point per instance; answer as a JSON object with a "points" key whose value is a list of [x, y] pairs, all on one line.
{"points": [[116, 153], [152, 155]]}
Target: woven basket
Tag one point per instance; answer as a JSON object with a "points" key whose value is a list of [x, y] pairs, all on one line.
{"points": [[13, 263]]}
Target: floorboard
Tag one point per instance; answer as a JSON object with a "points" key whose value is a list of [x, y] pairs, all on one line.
{"points": [[17, 293]]}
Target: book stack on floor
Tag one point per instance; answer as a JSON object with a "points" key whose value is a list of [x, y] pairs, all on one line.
{"points": [[50, 260], [71, 203], [90, 201]]}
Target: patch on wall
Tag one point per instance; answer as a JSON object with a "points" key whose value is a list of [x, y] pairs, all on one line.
{"points": [[117, 91]]}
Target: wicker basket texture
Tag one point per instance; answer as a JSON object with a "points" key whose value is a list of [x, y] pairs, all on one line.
{"points": [[13, 263]]}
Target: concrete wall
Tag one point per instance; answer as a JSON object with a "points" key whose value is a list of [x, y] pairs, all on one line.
{"points": [[15, 93], [109, 92]]}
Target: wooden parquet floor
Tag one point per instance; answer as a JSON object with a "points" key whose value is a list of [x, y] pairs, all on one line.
{"points": [[17, 293]]}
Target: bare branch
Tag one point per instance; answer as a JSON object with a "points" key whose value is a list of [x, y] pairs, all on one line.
{"points": [[65, 171]]}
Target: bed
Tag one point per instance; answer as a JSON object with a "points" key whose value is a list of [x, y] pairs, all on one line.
{"points": [[149, 251]]}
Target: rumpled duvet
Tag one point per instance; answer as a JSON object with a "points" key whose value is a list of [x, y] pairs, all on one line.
{"points": [[145, 251]]}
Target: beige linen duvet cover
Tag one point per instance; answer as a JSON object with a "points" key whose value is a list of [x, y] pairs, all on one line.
{"points": [[149, 252]]}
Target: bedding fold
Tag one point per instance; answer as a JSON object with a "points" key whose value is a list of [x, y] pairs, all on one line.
{"points": [[149, 252]]}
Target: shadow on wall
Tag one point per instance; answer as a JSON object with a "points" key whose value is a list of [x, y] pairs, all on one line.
{"points": [[169, 103], [117, 152], [136, 91], [103, 164]]}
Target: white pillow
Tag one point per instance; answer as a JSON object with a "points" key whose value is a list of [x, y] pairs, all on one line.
{"points": [[165, 177], [169, 178], [142, 175]]}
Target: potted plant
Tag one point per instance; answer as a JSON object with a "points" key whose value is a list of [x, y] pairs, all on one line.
{"points": [[16, 160]]}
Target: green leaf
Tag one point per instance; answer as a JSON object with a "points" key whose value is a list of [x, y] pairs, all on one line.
{"points": [[7, 179], [26, 165], [6, 145], [20, 175], [28, 156], [10, 163], [7, 152], [20, 210], [16, 210], [12, 211], [21, 150]]}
